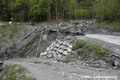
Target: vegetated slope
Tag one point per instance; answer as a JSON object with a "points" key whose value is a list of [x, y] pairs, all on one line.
{"points": [[14, 72], [8, 35]]}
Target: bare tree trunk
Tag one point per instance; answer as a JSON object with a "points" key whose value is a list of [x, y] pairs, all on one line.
{"points": [[71, 11], [65, 7], [102, 9], [56, 11], [49, 16], [49, 12], [93, 12], [75, 8]]}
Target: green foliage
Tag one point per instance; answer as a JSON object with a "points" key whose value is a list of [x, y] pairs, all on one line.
{"points": [[71, 57], [37, 62], [14, 72], [22, 28], [90, 49], [87, 51], [107, 10], [10, 31], [94, 49], [46, 63], [80, 42], [109, 24], [42, 10], [83, 13]]}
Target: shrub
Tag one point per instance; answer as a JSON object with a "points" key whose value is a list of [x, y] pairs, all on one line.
{"points": [[79, 44], [88, 51], [14, 72]]}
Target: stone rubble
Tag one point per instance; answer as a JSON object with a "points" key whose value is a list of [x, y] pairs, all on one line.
{"points": [[58, 49]]}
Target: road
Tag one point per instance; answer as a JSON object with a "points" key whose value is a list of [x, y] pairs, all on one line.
{"points": [[63, 71], [107, 38]]}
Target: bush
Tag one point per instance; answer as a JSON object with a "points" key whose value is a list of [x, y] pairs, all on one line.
{"points": [[88, 51]]}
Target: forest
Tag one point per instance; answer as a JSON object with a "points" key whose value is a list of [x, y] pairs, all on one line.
{"points": [[47, 10]]}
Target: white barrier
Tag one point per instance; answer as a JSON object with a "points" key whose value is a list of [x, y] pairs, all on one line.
{"points": [[10, 22]]}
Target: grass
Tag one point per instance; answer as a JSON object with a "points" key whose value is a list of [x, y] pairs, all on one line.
{"points": [[14, 72], [38, 62], [88, 79], [46, 63], [22, 28], [71, 57], [9, 32], [115, 24], [87, 51]]}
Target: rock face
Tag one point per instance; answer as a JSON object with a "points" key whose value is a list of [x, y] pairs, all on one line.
{"points": [[2, 66], [58, 49], [33, 41]]}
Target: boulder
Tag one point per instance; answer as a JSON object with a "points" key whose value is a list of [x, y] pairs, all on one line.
{"points": [[116, 63], [43, 54], [63, 47], [60, 50], [65, 43], [70, 46], [50, 55], [116, 33], [52, 44], [68, 38], [79, 33], [57, 45], [59, 56], [69, 50], [60, 42], [55, 49], [48, 49], [44, 37], [49, 52], [64, 31], [52, 48], [65, 53], [54, 54]]}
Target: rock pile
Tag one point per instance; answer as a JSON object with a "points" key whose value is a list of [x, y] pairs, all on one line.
{"points": [[58, 49]]}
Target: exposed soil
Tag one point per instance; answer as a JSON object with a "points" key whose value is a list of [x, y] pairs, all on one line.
{"points": [[62, 71]]}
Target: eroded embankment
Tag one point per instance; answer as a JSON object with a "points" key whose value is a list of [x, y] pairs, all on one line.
{"points": [[36, 40]]}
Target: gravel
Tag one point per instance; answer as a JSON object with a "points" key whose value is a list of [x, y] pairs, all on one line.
{"points": [[61, 71]]}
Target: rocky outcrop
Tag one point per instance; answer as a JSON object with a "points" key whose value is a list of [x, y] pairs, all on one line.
{"points": [[34, 41], [2, 66]]}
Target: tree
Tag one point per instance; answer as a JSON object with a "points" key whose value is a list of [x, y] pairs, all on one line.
{"points": [[106, 10], [47, 10]]}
